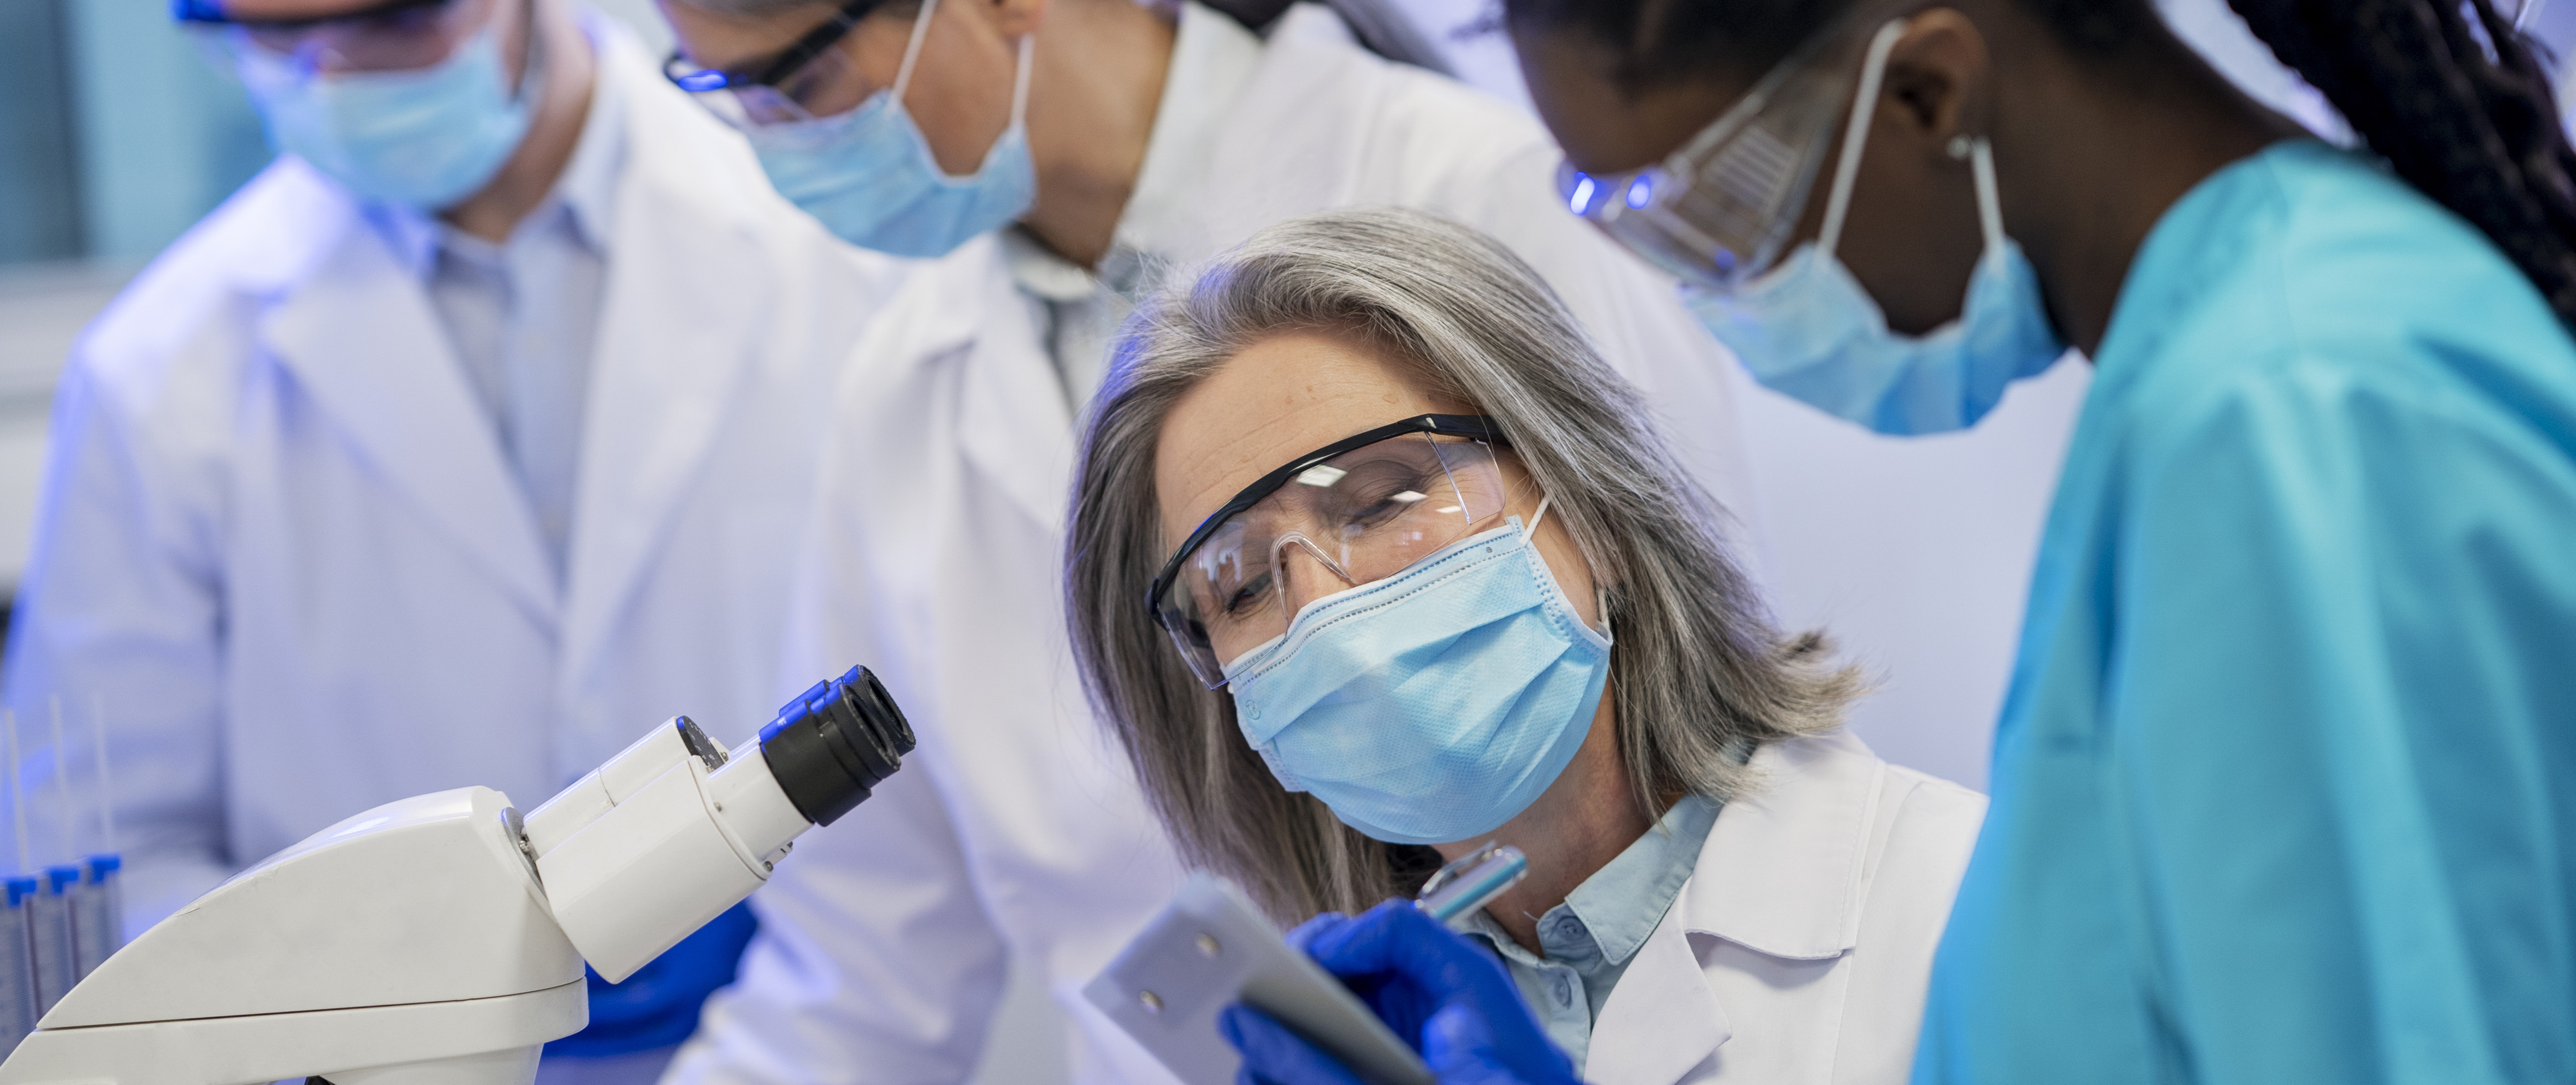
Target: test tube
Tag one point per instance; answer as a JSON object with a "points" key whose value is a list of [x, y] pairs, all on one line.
{"points": [[101, 919], [51, 935], [25, 898], [58, 910], [98, 915], [17, 963]]}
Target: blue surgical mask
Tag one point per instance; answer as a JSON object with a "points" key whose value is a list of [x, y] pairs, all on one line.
{"points": [[1808, 329], [1434, 705], [425, 139], [868, 174]]}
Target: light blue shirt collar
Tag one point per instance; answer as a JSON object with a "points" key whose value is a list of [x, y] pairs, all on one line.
{"points": [[1593, 936]]}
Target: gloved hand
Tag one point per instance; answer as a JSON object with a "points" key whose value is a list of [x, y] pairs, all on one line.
{"points": [[1445, 996]]}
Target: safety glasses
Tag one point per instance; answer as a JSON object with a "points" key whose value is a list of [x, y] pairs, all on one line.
{"points": [[775, 90], [401, 35], [1721, 209], [1363, 509]]}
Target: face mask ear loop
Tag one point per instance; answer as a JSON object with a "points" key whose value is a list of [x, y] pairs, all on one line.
{"points": [[532, 67], [1600, 594], [1020, 82], [1990, 208], [912, 49], [1873, 74]]}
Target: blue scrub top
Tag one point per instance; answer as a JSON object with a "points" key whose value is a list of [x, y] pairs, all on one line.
{"points": [[2285, 787]]}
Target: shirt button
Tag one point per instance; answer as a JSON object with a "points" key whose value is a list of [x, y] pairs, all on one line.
{"points": [[1564, 989], [1569, 927]]}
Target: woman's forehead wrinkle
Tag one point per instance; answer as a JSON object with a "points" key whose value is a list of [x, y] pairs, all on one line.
{"points": [[1275, 400]]}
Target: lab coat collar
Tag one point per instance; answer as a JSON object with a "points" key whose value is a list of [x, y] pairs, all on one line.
{"points": [[586, 193], [1661, 1019], [1240, 91], [1213, 61], [1781, 873], [1013, 422], [679, 327], [357, 332]]}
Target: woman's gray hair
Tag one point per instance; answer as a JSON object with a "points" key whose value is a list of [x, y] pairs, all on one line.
{"points": [[1700, 673]]}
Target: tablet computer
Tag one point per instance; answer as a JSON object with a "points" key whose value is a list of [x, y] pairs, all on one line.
{"points": [[1210, 948]]}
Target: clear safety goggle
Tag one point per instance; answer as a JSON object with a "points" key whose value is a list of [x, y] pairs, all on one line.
{"points": [[1722, 209], [813, 77], [401, 35], [1362, 509]]}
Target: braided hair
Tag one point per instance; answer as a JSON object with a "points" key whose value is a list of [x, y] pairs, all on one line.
{"points": [[2455, 99], [2447, 90]]}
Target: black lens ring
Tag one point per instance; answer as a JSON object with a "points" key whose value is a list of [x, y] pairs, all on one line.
{"points": [[831, 746]]}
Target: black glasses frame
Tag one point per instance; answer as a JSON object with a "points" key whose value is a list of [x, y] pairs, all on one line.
{"points": [[778, 69], [211, 12], [1477, 426]]}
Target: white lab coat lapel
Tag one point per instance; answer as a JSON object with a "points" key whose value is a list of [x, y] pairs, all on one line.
{"points": [[405, 405], [1012, 418], [1780, 874], [1661, 1020], [1781, 871], [679, 325]]}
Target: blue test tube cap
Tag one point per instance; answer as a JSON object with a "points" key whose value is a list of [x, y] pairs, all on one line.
{"points": [[58, 878], [100, 866], [21, 886]]}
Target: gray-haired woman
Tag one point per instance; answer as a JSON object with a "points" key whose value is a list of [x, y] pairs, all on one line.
{"points": [[1372, 483]]}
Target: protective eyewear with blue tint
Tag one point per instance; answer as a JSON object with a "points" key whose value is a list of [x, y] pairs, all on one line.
{"points": [[1722, 209], [394, 36], [211, 12], [1364, 508], [772, 91]]}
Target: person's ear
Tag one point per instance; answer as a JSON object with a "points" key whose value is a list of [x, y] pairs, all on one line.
{"points": [[1017, 17], [1935, 74]]}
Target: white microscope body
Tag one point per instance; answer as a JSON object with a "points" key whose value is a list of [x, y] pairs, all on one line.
{"points": [[439, 940]]}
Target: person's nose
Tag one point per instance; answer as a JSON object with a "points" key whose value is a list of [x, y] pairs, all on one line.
{"points": [[1304, 576]]}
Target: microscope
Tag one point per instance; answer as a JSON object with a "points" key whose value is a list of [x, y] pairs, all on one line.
{"points": [[440, 940]]}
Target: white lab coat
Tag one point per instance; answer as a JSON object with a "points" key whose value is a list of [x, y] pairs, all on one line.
{"points": [[281, 542], [1799, 950], [1017, 831]]}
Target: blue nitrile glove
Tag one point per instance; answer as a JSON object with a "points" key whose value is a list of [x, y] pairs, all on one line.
{"points": [[658, 1006], [1443, 994]]}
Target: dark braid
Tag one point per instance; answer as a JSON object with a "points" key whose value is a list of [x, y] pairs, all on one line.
{"points": [[2463, 110]]}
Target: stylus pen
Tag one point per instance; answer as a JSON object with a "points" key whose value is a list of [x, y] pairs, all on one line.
{"points": [[1472, 882]]}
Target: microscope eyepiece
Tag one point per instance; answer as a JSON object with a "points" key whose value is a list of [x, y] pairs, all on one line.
{"points": [[835, 742]]}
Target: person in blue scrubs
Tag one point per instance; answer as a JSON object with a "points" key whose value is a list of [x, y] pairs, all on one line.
{"points": [[2285, 784]]}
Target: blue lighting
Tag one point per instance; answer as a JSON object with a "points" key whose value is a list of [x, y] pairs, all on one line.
{"points": [[700, 82], [1581, 200], [1640, 190]]}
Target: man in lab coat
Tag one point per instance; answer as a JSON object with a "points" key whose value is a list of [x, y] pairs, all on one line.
{"points": [[1154, 139], [463, 445]]}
